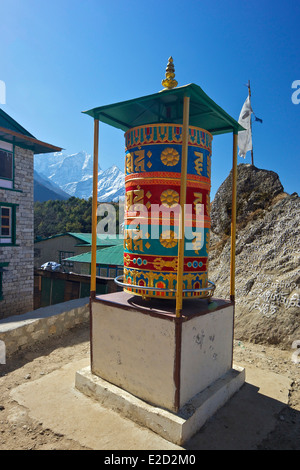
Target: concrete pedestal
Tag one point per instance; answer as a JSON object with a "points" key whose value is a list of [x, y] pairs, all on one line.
{"points": [[169, 374]]}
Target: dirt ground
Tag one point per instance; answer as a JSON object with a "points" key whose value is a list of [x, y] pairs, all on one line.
{"points": [[19, 432]]}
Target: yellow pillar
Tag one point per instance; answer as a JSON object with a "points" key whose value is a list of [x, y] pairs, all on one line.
{"points": [[185, 135], [94, 209], [233, 217]]}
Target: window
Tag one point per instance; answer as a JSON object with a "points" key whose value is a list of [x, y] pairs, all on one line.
{"points": [[62, 258], [103, 272], [120, 271], [6, 165], [112, 272], [5, 230], [7, 224]]}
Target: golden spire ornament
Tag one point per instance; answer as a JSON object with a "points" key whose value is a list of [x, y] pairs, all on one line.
{"points": [[169, 82]]}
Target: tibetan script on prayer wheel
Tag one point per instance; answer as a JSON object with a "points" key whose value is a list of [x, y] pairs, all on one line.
{"points": [[152, 210]]}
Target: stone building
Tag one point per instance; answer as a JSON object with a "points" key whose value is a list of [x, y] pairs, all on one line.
{"points": [[17, 149], [58, 248], [109, 261]]}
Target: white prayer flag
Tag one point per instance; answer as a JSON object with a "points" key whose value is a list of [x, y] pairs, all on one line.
{"points": [[245, 137]]}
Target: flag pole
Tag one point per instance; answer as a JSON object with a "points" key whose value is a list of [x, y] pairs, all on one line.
{"points": [[233, 216], [94, 209], [249, 93]]}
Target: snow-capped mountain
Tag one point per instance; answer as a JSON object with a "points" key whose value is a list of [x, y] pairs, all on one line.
{"points": [[74, 175]]}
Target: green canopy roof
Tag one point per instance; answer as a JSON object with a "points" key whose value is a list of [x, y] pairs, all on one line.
{"points": [[113, 255], [167, 106]]}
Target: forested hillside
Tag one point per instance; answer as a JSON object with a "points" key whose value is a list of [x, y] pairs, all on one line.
{"points": [[53, 217], [73, 215]]}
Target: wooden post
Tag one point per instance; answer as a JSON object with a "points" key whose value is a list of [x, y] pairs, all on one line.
{"points": [[181, 240], [94, 209], [233, 216]]}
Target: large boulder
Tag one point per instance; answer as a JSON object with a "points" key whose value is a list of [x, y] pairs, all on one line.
{"points": [[267, 305], [256, 188]]}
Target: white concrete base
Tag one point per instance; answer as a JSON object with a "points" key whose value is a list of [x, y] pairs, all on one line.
{"points": [[165, 361], [175, 427]]}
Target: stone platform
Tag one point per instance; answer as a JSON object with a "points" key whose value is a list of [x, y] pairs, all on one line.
{"points": [[169, 374], [177, 428]]}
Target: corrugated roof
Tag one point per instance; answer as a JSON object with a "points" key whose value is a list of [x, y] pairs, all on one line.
{"points": [[102, 240], [113, 255], [86, 239]]}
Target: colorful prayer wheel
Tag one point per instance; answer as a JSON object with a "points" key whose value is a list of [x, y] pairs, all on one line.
{"points": [[152, 185]]}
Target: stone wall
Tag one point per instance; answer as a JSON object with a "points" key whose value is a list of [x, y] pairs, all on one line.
{"points": [[23, 331], [18, 279]]}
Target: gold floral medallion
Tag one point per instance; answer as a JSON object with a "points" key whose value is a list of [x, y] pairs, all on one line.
{"points": [[169, 156], [169, 198], [167, 239]]}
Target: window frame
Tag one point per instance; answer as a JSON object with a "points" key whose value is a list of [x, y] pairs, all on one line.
{"points": [[8, 240], [66, 254], [8, 183], [9, 217]]}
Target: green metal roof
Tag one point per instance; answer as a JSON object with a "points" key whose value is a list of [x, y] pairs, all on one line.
{"points": [[11, 131], [86, 239], [113, 255], [167, 106]]}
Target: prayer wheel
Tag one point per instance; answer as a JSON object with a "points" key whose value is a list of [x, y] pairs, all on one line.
{"points": [[168, 151], [153, 155]]}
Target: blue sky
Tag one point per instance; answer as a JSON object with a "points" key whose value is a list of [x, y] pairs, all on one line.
{"points": [[59, 58]]}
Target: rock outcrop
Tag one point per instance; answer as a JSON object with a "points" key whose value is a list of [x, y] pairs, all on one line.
{"points": [[255, 190], [267, 256]]}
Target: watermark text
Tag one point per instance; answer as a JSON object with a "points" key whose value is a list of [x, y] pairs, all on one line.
{"points": [[140, 222], [2, 92], [296, 94]]}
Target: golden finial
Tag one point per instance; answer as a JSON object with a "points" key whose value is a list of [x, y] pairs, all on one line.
{"points": [[169, 82]]}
